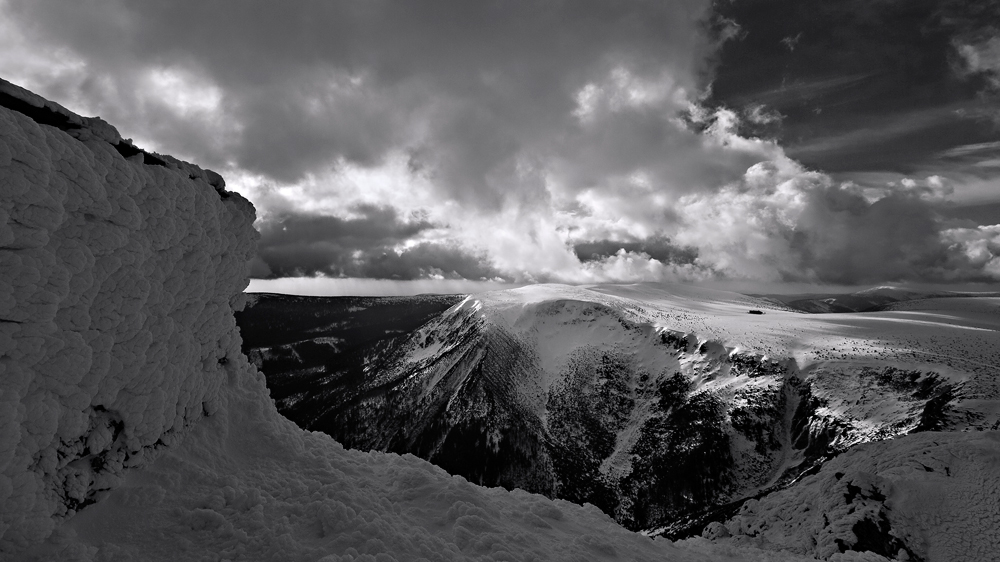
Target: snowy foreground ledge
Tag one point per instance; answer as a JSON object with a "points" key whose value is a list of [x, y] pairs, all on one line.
{"points": [[131, 427]]}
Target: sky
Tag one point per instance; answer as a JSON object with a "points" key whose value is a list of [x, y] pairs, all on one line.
{"points": [[465, 145]]}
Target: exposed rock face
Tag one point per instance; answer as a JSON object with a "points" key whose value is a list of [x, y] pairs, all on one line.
{"points": [[119, 273]]}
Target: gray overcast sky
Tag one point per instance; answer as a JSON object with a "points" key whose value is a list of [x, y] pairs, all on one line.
{"points": [[844, 142]]}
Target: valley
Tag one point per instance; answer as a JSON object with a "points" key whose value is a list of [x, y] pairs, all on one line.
{"points": [[666, 406]]}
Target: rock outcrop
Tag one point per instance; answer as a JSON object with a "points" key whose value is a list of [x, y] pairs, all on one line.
{"points": [[119, 273]]}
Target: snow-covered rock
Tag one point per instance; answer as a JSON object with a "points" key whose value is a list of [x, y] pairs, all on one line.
{"points": [[927, 496], [119, 274]]}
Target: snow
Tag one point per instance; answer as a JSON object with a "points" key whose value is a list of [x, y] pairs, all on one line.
{"points": [[122, 387], [118, 281], [246, 484], [957, 338], [558, 328], [938, 492]]}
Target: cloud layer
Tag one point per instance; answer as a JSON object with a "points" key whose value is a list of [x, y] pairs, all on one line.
{"points": [[377, 243], [550, 141]]}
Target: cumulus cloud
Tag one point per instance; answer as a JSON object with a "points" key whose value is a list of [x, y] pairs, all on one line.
{"points": [[976, 247], [371, 242], [983, 58], [657, 248], [784, 223], [529, 142], [468, 85]]}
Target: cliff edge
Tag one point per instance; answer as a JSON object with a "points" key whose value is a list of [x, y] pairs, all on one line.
{"points": [[119, 273]]}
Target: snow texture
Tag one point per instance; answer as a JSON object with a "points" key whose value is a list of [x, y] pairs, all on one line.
{"points": [[249, 485], [927, 496], [118, 279], [134, 429]]}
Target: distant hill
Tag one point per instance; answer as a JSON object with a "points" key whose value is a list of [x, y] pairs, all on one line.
{"points": [[868, 300]]}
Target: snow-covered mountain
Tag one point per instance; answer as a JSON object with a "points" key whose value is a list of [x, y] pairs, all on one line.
{"points": [[133, 428], [883, 297], [623, 397]]}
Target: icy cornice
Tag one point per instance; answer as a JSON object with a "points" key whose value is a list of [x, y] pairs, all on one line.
{"points": [[45, 112], [119, 273]]}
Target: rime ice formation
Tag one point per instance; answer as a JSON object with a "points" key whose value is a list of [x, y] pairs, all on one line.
{"points": [[119, 272]]}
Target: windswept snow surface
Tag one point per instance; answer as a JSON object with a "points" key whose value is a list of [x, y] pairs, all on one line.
{"points": [[132, 428], [247, 484], [955, 337], [928, 496]]}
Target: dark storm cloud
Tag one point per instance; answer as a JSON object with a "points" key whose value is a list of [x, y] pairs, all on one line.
{"points": [[869, 85], [846, 239], [371, 225], [535, 140], [657, 248], [979, 214], [467, 84], [370, 244]]}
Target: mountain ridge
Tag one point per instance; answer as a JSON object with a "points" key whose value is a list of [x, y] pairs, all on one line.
{"points": [[873, 299]]}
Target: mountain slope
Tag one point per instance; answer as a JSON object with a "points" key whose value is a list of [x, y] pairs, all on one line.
{"points": [[913, 498], [591, 395]]}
